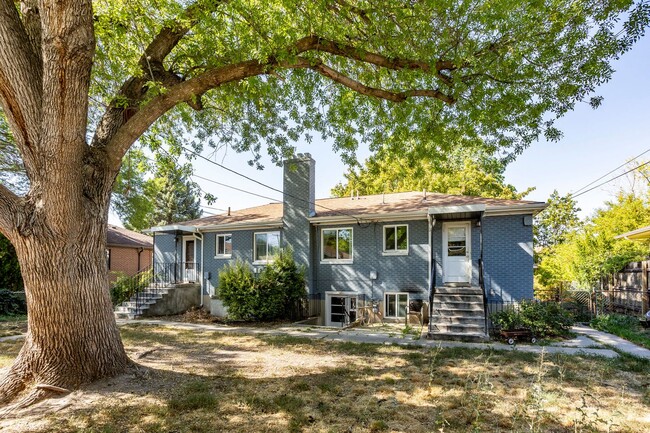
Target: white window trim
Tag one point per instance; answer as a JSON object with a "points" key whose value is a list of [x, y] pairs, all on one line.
{"points": [[397, 309], [323, 260], [396, 252], [264, 262], [216, 246]]}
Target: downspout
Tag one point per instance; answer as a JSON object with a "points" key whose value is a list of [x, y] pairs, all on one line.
{"points": [[432, 267], [199, 236]]}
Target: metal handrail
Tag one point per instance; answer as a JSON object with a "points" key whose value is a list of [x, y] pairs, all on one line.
{"points": [[481, 283], [432, 291], [163, 274]]}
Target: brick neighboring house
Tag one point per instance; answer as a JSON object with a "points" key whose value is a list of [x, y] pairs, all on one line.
{"points": [[127, 252], [445, 256]]}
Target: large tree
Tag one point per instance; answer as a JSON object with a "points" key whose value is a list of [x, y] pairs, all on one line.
{"points": [[80, 82], [155, 192], [464, 171]]}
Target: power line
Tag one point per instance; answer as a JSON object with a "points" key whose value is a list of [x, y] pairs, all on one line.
{"points": [[358, 220], [236, 189], [612, 171], [614, 178]]}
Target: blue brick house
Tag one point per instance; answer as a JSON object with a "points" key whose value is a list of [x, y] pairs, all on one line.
{"points": [[405, 256]]}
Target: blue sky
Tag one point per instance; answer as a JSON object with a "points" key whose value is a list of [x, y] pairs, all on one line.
{"points": [[594, 142]]}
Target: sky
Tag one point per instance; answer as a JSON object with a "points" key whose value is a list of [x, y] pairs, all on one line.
{"points": [[594, 142]]}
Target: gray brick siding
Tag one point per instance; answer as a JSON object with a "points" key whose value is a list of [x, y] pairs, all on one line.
{"points": [[395, 273], [508, 254]]}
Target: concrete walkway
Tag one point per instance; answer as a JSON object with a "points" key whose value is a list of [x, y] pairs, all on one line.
{"points": [[578, 346], [613, 341], [587, 342]]}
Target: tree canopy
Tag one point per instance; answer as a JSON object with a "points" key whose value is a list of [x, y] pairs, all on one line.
{"points": [[463, 171], [158, 192], [587, 253]]}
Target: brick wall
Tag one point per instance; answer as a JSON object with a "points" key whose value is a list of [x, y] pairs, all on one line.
{"points": [[508, 256], [124, 261]]}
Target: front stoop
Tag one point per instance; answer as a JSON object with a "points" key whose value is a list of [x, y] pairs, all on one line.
{"points": [[157, 301], [458, 315]]}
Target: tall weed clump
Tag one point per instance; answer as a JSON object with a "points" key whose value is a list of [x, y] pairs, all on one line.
{"points": [[278, 292]]}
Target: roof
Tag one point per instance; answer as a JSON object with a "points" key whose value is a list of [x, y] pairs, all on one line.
{"points": [[638, 234], [121, 237], [372, 207]]}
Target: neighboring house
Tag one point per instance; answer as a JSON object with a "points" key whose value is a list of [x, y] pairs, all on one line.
{"points": [[127, 252], [375, 250]]}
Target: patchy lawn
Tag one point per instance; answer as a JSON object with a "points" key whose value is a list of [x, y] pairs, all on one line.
{"points": [[12, 325], [211, 382], [626, 327]]}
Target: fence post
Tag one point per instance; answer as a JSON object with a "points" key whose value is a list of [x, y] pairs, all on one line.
{"points": [[645, 294]]}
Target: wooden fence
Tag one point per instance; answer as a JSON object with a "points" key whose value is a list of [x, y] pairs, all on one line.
{"points": [[625, 292]]}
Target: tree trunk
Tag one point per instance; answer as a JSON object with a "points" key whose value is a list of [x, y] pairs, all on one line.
{"points": [[72, 336]]}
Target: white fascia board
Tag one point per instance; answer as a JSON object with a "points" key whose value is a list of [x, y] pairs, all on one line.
{"points": [[170, 228], [642, 233], [464, 208], [517, 209], [345, 219], [242, 226]]}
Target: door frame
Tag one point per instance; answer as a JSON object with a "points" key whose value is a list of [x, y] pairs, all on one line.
{"points": [[468, 247], [184, 258], [328, 304]]}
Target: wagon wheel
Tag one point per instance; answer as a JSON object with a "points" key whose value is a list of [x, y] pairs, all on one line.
{"points": [[511, 341], [533, 340]]}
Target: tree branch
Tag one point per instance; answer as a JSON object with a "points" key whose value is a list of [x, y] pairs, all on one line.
{"points": [[21, 81], [361, 88], [32, 22]]}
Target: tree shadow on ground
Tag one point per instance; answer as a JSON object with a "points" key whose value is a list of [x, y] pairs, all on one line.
{"points": [[225, 383]]}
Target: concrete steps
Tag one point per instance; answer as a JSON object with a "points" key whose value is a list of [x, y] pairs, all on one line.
{"points": [[138, 305], [458, 314]]}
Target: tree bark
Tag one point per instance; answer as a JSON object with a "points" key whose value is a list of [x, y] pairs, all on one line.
{"points": [[72, 336]]}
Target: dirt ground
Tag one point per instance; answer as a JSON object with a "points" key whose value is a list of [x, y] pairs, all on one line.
{"points": [[209, 382]]}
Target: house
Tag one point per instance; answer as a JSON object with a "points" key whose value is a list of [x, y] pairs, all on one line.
{"points": [[437, 255], [127, 252]]}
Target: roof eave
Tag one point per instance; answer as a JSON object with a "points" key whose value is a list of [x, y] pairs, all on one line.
{"points": [[392, 216]]}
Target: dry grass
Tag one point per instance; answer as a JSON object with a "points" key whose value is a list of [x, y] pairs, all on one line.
{"points": [[12, 325], [210, 382]]}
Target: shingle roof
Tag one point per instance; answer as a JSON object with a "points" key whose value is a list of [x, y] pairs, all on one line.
{"points": [[121, 237], [358, 206]]}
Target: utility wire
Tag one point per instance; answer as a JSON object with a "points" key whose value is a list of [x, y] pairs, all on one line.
{"points": [[358, 220], [613, 178], [236, 189], [612, 171]]}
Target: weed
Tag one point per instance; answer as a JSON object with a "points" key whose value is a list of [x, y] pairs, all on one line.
{"points": [[194, 395], [377, 426]]}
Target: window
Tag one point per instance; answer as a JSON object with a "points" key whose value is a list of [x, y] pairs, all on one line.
{"points": [[396, 239], [396, 304], [336, 245], [224, 246], [266, 246]]}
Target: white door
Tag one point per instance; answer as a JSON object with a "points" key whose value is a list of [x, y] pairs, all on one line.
{"points": [[456, 255], [189, 264]]}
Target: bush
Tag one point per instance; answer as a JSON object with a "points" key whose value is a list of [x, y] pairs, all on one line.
{"points": [[278, 292], [11, 303], [541, 318], [125, 287]]}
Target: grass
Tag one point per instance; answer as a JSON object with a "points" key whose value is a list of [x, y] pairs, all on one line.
{"points": [[626, 327], [12, 325], [206, 382]]}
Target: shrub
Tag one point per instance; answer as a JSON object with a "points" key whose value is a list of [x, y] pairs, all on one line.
{"points": [[11, 303], [278, 292], [541, 318], [125, 287]]}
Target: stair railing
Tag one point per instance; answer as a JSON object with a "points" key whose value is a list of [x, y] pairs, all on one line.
{"points": [[481, 283], [161, 275], [432, 292]]}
